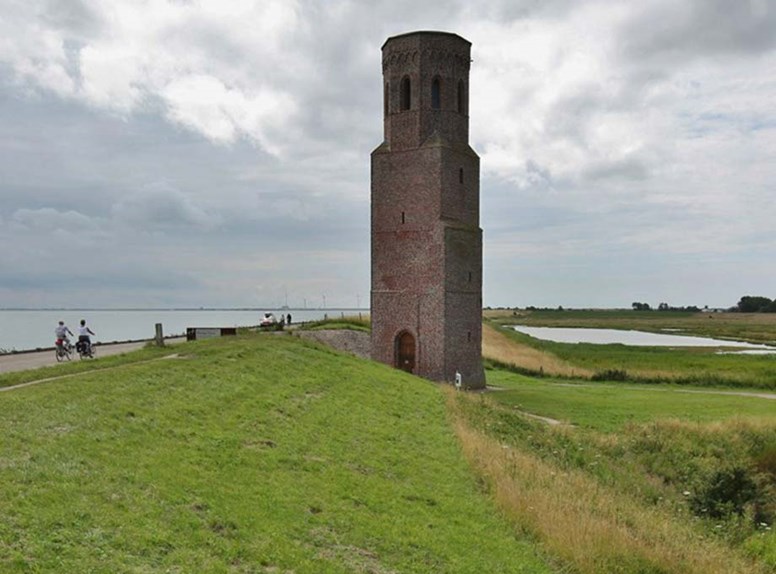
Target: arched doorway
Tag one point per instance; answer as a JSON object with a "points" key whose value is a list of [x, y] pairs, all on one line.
{"points": [[405, 352]]}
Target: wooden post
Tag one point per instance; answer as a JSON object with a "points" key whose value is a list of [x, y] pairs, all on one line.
{"points": [[159, 338]]}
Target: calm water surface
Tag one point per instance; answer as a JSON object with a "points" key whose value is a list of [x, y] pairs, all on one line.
{"points": [[634, 338], [31, 329]]}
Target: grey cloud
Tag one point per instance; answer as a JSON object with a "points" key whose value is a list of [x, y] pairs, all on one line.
{"points": [[75, 16], [675, 31], [51, 221], [161, 206], [625, 169], [219, 216], [511, 10], [570, 116], [537, 176], [127, 280]]}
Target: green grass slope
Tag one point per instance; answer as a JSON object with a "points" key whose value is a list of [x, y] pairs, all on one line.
{"points": [[678, 458], [245, 455], [608, 406]]}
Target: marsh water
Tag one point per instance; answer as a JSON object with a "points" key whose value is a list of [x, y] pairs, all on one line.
{"points": [[634, 338]]}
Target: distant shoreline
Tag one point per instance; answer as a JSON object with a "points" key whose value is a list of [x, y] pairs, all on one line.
{"points": [[129, 309], [30, 329]]}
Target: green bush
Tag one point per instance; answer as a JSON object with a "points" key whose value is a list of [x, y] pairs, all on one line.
{"points": [[728, 492], [610, 375]]}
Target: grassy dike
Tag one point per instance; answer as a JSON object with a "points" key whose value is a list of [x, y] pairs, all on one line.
{"points": [[260, 453]]}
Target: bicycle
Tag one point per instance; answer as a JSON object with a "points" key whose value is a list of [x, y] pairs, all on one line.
{"points": [[63, 350], [85, 349]]}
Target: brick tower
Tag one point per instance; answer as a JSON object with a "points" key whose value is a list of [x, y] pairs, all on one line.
{"points": [[426, 241]]}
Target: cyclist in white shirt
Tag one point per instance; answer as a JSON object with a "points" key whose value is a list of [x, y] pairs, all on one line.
{"points": [[61, 331], [83, 334]]}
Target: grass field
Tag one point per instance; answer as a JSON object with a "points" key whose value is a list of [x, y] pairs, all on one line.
{"points": [[651, 479], [74, 368], [268, 454], [688, 462], [351, 322], [252, 454], [609, 406], [695, 366]]}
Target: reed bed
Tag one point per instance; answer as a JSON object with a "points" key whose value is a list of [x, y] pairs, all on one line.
{"points": [[499, 347]]}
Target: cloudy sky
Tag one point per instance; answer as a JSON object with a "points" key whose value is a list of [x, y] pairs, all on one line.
{"points": [[216, 152]]}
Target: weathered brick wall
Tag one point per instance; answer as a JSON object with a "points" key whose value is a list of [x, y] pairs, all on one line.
{"points": [[463, 304], [426, 241]]}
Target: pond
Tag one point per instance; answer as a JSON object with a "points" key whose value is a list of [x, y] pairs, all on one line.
{"points": [[633, 338]]}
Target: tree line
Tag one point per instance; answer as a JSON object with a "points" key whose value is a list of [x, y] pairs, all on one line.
{"points": [[638, 306], [755, 304], [747, 304]]}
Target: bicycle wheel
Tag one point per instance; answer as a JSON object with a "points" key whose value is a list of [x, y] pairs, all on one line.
{"points": [[58, 354]]}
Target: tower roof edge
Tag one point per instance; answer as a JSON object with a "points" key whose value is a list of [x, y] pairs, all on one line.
{"points": [[425, 33]]}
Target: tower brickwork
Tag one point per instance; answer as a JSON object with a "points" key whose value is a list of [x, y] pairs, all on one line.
{"points": [[426, 298]]}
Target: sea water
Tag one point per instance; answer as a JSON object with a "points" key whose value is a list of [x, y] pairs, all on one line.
{"points": [[31, 329]]}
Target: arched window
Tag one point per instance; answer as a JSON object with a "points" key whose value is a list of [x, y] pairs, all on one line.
{"points": [[461, 98], [386, 95], [436, 94], [406, 92]]}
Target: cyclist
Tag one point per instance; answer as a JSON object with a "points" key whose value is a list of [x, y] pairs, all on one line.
{"points": [[61, 331], [83, 336]]}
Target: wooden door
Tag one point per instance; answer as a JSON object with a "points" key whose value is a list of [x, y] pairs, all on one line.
{"points": [[405, 356]]}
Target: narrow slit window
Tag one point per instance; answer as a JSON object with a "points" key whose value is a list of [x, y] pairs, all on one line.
{"points": [[461, 97], [402, 217], [469, 336], [406, 93], [460, 175], [436, 94], [470, 276]]}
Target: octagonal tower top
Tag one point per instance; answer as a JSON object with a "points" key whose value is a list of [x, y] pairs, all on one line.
{"points": [[426, 88]]}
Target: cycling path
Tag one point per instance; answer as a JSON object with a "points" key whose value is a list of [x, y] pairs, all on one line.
{"points": [[35, 359]]}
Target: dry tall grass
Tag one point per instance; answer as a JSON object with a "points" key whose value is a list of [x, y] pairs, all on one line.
{"points": [[591, 528], [499, 347]]}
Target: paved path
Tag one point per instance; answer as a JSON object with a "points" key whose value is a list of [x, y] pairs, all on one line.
{"points": [[36, 359]]}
